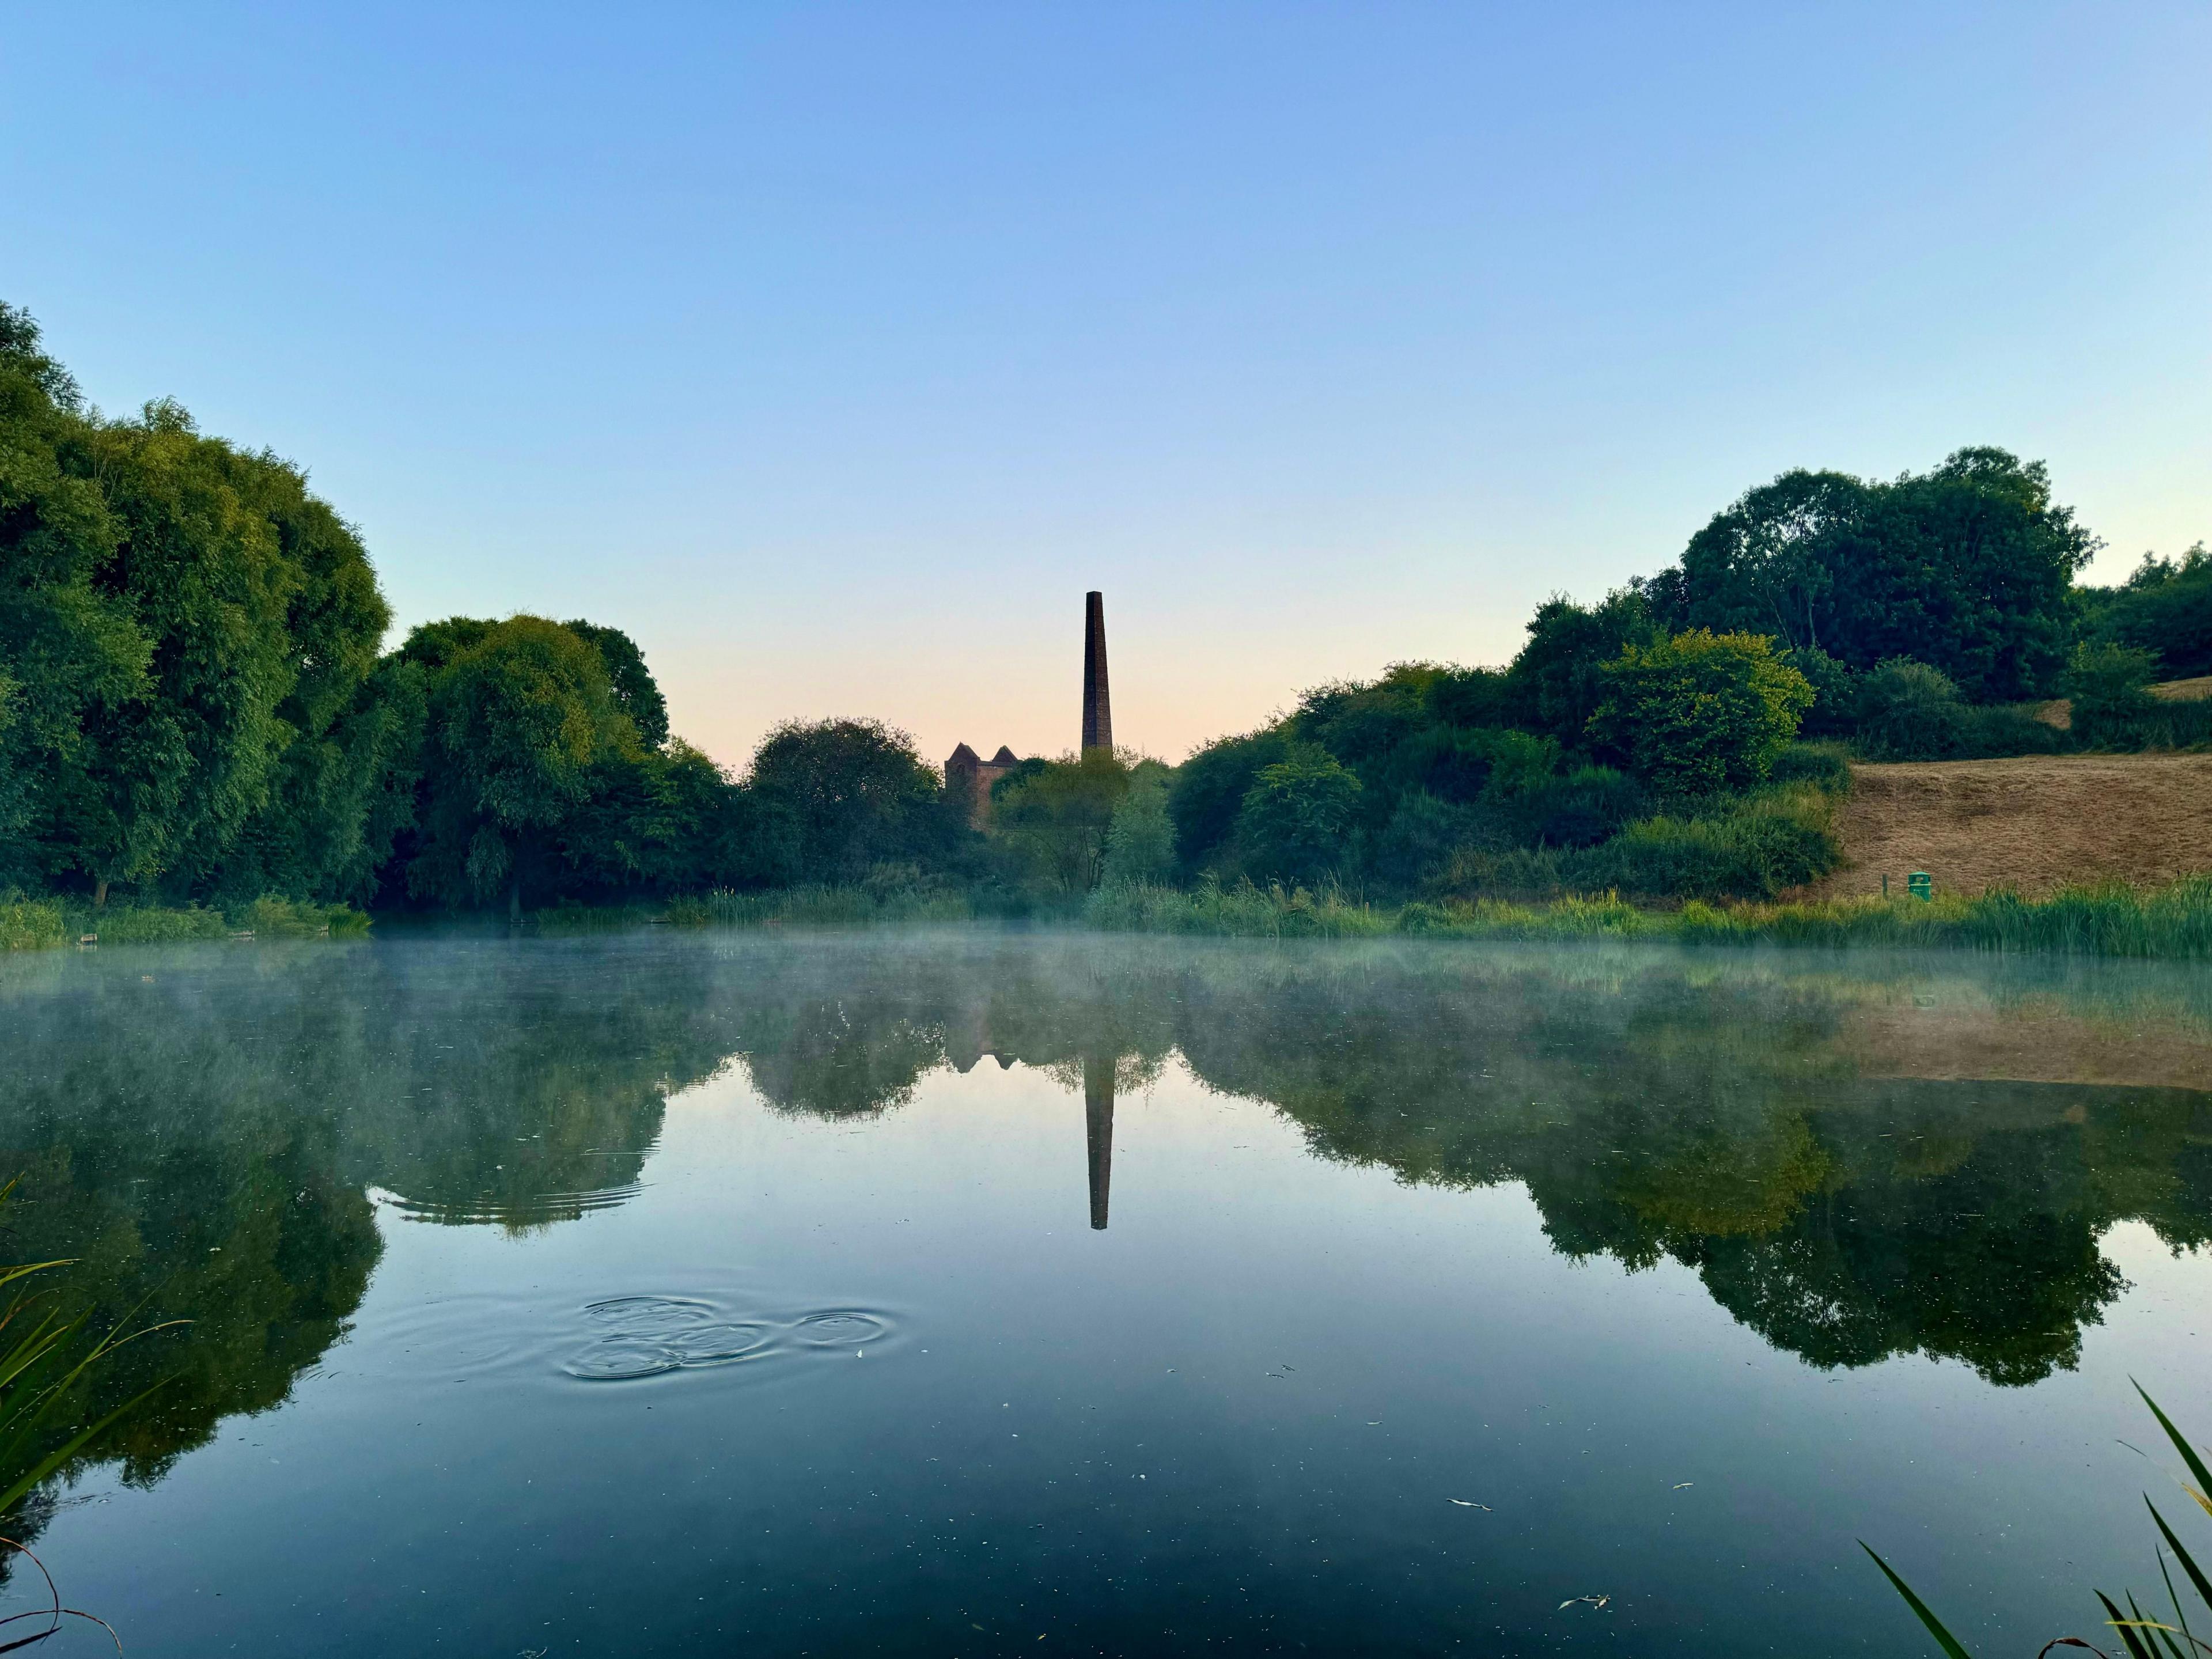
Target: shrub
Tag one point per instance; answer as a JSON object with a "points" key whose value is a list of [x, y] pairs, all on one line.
{"points": [[2110, 685], [1052, 823], [2002, 729], [1209, 791], [2165, 608], [2113, 708], [1521, 763], [1269, 913], [1700, 712], [1823, 765], [1909, 711], [1420, 838], [31, 924], [1765, 845], [1835, 692], [283, 918], [1140, 837], [1297, 816], [132, 924], [1587, 807]]}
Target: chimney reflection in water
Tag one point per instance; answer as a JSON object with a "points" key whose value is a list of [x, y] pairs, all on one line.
{"points": [[1098, 1132]]}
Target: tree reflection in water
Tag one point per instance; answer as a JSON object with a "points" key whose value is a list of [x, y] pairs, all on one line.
{"points": [[204, 1130]]}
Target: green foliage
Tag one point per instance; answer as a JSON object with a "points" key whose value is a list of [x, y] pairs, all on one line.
{"points": [[1243, 910], [1209, 791], [1834, 712], [1051, 818], [854, 794], [2173, 922], [518, 722], [1700, 712], [1750, 847], [1968, 569], [273, 917], [188, 633], [891, 893], [1758, 848], [2165, 608], [1140, 837], [126, 923], [1910, 711], [1472, 696], [2113, 707], [636, 692], [30, 924], [1419, 841], [2108, 682], [37, 924], [1558, 678], [1826, 766], [45, 1357], [193, 709], [1297, 816]]}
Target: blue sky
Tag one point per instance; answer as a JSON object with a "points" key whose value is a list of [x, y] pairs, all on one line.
{"points": [[835, 350]]}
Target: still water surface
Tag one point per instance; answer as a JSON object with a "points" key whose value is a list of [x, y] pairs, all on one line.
{"points": [[973, 1293]]}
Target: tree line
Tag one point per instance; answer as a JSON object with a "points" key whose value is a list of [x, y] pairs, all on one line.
{"points": [[195, 705]]}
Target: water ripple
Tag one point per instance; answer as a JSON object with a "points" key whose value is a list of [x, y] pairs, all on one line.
{"points": [[630, 1337]]}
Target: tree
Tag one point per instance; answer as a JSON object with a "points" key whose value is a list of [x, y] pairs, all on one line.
{"points": [[1140, 839], [1768, 563], [193, 635], [2164, 607], [1209, 791], [182, 770], [72, 648], [1908, 710], [517, 724], [856, 794], [2110, 687], [1053, 819], [1557, 680], [1700, 711], [635, 690], [651, 821], [1968, 567], [1297, 816]]}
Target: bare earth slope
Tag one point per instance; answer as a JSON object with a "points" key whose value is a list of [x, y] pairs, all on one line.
{"points": [[2035, 823]]}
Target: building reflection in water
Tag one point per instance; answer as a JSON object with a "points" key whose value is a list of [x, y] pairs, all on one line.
{"points": [[1098, 1132]]}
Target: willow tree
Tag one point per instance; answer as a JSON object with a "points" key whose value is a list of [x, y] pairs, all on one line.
{"points": [[518, 722]]}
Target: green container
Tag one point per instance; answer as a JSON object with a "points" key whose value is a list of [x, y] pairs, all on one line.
{"points": [[1921, 885]]}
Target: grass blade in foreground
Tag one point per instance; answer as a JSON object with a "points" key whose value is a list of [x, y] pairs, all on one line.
{"points": [[1944, 1639], [2144, 1639]]}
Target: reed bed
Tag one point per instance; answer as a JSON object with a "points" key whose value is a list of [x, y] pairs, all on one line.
{"points": [[2107, 918], [41, 924], [31, 924], [852, 905]]}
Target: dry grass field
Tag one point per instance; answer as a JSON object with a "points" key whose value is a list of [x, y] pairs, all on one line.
{"points": [[2035, 823]]}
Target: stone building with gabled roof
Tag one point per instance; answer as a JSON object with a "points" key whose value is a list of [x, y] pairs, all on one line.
{"points": [[964, 769]]}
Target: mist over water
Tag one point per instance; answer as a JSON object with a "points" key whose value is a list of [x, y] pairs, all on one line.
{"points": [[962, 1292]]}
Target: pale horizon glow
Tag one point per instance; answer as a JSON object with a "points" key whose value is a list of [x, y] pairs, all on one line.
{"points": [[834, 352]]}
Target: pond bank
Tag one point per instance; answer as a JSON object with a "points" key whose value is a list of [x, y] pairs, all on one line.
{"points": [[2171, 922]]}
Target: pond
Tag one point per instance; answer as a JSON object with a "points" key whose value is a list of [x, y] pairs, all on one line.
{"points": [[976, 1292]]}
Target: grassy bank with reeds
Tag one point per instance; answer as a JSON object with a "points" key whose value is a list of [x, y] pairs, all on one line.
{"points": [[28, 924], [2172, 922]]}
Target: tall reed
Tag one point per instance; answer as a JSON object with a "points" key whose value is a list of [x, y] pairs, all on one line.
{"points": [[2140, 1636], [2110, 918]]}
